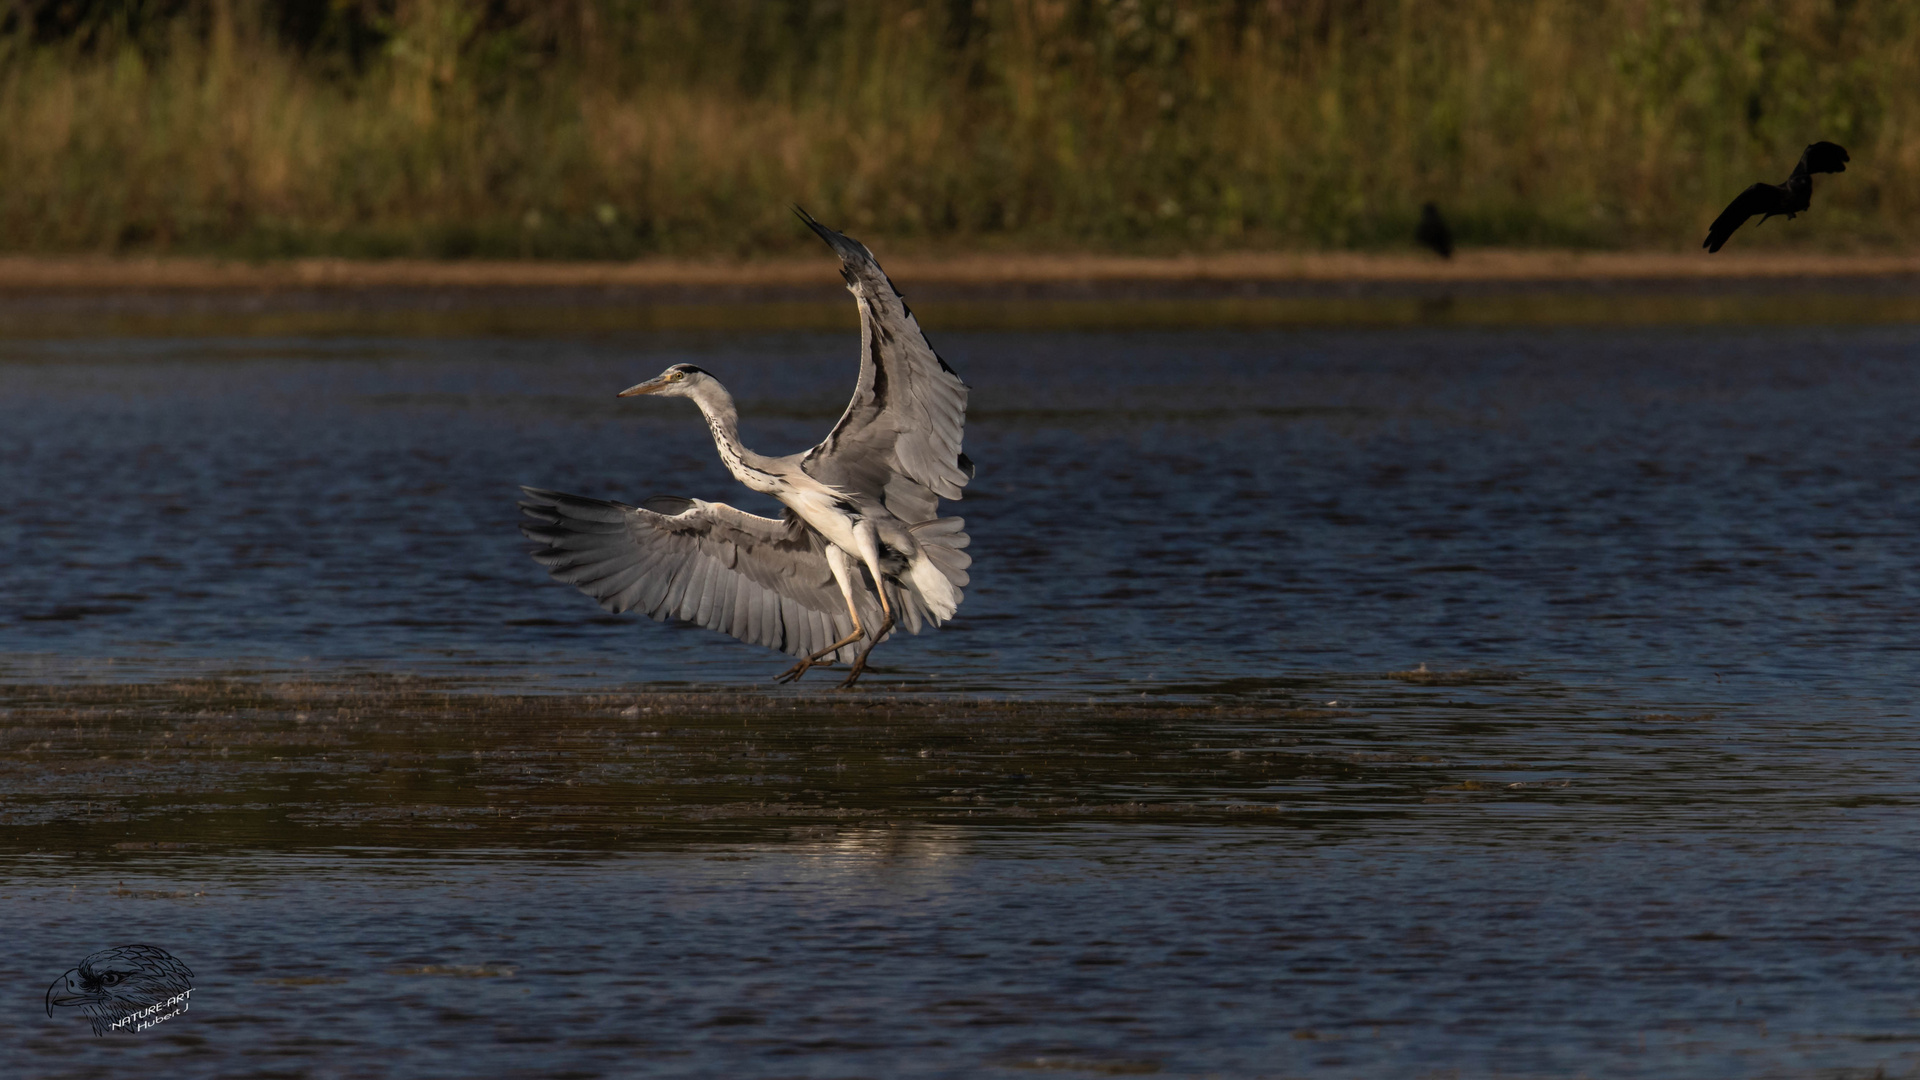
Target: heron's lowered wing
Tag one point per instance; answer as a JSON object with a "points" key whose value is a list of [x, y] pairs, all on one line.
{"points": [[899, 440], [1758, 199], [763, 581]]}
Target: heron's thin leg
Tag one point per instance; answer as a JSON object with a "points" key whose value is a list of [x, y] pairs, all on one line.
{"points": [[868, 540], [843, 573], [886, 624]]}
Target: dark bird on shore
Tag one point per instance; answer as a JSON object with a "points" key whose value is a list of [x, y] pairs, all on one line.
{"points": [[113, 984], [1769, 199], [861, 502], [1433, 231]]}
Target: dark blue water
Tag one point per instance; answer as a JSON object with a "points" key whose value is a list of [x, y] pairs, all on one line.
{"points": [[1655, 509], [1665, 582], [1080, 953]]}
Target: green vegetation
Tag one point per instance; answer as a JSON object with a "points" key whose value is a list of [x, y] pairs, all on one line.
{"points": [[613, 128]]}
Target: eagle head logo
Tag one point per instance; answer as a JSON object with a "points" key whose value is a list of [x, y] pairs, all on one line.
{"points": [[113, 984]]}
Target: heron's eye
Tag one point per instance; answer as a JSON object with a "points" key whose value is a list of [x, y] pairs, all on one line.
{"points": [[678, 375], [112, 978]]}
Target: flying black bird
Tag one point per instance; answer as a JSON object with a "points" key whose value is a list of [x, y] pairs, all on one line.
{"points": [[115, 983], [1769, 199], [1433, 231]]}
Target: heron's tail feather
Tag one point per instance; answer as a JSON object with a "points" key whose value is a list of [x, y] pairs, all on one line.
{"points": [[939, 570], [941, 541]]}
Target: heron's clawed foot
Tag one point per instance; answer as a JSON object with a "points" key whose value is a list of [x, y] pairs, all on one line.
{"points": [[826, 655], [859, 668]]}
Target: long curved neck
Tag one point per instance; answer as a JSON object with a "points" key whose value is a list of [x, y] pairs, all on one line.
{"points": [[723, 420]]}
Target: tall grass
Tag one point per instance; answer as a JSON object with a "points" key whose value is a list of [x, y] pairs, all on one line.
{"points": [[621, 127]]}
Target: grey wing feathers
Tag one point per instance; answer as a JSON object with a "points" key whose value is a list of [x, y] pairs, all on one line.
{"points": [[899, 440], [763, 581]]}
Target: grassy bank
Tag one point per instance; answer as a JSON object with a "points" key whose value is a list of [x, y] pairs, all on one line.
{"points": [[608, 128]]}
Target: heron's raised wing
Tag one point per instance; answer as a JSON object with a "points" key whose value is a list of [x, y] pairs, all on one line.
{"points": [[1758, 199], [763, 581], [899, 440]]}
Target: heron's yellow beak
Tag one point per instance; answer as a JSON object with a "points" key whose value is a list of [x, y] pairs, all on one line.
{"points": [[651, 386]]}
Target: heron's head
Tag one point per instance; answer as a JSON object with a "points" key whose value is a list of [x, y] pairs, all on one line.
{"points": [[680, 380]]}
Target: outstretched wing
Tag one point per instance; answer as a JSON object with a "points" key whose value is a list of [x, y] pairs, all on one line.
{"points": [[899, 440], [763, 581], [1758, 199]]}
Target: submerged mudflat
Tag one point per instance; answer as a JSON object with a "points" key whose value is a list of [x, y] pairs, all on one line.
{"points": [[215, 765]]}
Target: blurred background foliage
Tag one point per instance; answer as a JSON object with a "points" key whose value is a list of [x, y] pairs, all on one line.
{"points": [[615, 128]]}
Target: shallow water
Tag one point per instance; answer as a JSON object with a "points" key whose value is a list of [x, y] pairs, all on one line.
{"points": [[1335, 703]]}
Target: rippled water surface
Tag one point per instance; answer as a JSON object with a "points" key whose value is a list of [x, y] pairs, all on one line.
{"points": [[1439, 702]]}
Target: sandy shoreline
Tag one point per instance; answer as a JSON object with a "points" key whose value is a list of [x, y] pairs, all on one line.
{"points": [[71, 275]]}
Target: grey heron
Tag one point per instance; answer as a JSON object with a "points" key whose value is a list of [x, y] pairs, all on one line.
{"points": [[1767, 200], [864, 499]]}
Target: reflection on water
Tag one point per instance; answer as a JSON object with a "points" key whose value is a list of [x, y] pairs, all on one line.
{"points": [[949, 952], [1336, 703]]}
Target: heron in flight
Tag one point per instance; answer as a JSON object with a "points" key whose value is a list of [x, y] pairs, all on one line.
{"points": [[1789, 198], [864, 500]]}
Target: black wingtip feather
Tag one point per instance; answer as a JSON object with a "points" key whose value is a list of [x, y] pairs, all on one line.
{"points": [[852, 252], [819, 230]]}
